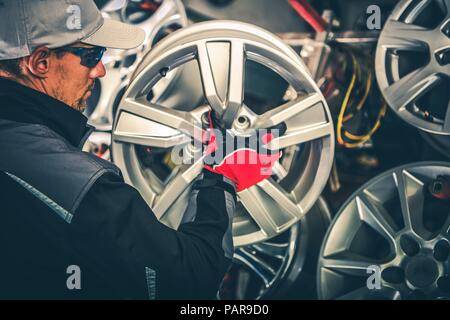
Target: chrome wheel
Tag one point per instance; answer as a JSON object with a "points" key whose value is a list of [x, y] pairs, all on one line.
{"points": [[269, 269], [158, 21], [413, 63], [399, 224], [217, 53]]}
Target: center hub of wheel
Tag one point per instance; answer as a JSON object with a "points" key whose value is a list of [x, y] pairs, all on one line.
{"points": [[421, 271]]}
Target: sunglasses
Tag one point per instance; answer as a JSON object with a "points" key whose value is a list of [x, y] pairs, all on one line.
{"points": [[90, 57]]}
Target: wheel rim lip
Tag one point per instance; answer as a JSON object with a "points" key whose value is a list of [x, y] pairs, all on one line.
{"points": [[119, 149], [372, 181], [381, 57], [228, 27]]}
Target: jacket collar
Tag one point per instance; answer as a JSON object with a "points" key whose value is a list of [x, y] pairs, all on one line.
{"points": [[23, 104]]}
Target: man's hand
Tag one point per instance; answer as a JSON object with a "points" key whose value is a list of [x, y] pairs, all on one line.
{"points": [[246, 166]]}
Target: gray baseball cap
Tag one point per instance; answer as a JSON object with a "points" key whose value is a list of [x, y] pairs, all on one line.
{"points": [[28, 24]]}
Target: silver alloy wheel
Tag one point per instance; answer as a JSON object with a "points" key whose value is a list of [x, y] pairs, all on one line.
{"points": [[120, 64], [270, 268], [391, 224], [413, 63], [216, 52]]}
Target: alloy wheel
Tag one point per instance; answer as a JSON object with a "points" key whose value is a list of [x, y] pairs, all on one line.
{"points": [[397, 227], [413, 63], [216, 53]]}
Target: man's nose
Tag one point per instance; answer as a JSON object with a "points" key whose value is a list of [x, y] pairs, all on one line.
{"points": [[98, 71]]}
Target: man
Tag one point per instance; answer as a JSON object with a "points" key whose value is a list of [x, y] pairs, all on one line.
{"points": [[69, 225]]}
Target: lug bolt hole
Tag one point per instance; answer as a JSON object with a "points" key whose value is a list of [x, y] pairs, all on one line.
{"points": [[409, 245], [242, 120], [441, 250], [394, 275]]}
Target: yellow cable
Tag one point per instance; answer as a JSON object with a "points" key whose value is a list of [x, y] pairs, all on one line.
{"points": [[364, 138], [364, 98], [345, 103], [366, 93], [361, 139]]}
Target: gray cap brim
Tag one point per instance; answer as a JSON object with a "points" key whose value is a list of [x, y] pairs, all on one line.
{"points": [[116, 35]]}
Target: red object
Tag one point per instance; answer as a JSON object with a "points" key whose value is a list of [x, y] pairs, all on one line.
{"points": [[440, 188], [148, 6], [308, 13], [245, 166]]}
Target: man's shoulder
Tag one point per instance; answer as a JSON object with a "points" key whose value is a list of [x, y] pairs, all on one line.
{"points": [[48, 163]]}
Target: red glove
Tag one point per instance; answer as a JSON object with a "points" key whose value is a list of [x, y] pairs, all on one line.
{"points": [[245, 166]]}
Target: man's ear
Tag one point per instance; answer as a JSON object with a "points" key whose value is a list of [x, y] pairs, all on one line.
{"points": [[38, 63]]}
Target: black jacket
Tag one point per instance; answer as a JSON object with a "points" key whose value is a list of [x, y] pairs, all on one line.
{"points": [[61, 208]]}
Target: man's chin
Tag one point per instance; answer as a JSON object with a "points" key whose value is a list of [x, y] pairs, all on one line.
{"points": [[80, 105]]}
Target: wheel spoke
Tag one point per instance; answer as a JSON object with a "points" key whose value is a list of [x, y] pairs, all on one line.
{"points": [[236, 82], [410, 190], [405, 36], [222, 67], [278, 195], [263, 199], [374, 217], [301, 135], [287, 111], [176, 187], [207, 77], [154, 125], [353, 266], [410, 87]]}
